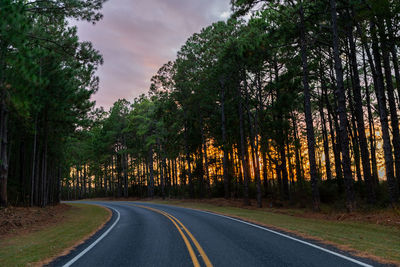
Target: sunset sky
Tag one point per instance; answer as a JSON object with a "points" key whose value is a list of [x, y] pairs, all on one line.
{"points": [[137, 36]]}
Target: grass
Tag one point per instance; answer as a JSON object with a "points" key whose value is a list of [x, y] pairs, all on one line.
{"points": [[28, 249], [379, 242]]}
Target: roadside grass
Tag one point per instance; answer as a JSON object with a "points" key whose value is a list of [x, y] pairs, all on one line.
{"points": [[39, 247], [378, 242]]}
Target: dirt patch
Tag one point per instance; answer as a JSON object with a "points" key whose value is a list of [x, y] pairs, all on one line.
{"points": [[20, 220], [380, 217]]}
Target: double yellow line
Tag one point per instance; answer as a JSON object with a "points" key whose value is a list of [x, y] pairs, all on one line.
{"points": [[177, 223]]}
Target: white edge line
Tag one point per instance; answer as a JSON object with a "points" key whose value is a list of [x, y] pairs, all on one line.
{"points": [[292, 238], [95, 242], [283, 235]]}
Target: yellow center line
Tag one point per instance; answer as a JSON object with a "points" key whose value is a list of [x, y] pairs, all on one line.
{"points": [[188, 245], [199, 248]]}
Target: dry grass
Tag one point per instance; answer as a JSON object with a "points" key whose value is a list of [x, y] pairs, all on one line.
{"points": [[39, 246]]}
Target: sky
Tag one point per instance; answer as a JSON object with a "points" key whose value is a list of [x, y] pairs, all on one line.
{"points": [[136, 37]]}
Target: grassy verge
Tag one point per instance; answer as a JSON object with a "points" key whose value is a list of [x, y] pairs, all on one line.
{"points": [[39, 247], [379, 242]]}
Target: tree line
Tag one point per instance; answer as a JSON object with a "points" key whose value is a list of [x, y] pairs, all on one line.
{"points": [[290, 101], [47, 77]]}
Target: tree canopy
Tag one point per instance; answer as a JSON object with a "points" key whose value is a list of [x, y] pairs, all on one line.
{"points": [[291, 101]]}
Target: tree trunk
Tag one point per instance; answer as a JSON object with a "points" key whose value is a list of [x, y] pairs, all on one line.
{"points": [[112, 184], [371, 126], [254, 151], [376, 68], [84, 180], [106, 179], [173, 162], [297, 146], [205, 154], [3, 149], [391, 99], [335, 138], [325, 143], [289, 161], [176, 173], [308, 115], [111, 178], [324, 129], [243, 146], [360, 117], [3, 129], [224, 144], [163, 174], [352, 129], [151, 173], [188, 159], [341, 98], [44, 170], [125, 169], [33, 164], [395, 60]]}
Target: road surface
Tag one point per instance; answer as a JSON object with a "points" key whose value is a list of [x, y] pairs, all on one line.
{"points": [[146, 234]]}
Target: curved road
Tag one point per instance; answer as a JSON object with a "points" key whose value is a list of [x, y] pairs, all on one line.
{"points": [[145, 234]]}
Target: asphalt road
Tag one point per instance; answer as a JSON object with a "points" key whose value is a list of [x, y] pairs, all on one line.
{"points": [[144, 234]]}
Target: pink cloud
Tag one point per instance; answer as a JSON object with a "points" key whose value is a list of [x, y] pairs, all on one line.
{"points": [[137, 36]]}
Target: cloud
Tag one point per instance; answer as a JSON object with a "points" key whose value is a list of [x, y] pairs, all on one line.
{"points": [[136, 37], [225, 15]]}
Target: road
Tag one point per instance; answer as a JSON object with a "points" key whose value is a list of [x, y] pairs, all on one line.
{"points": [[146, 234]]}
